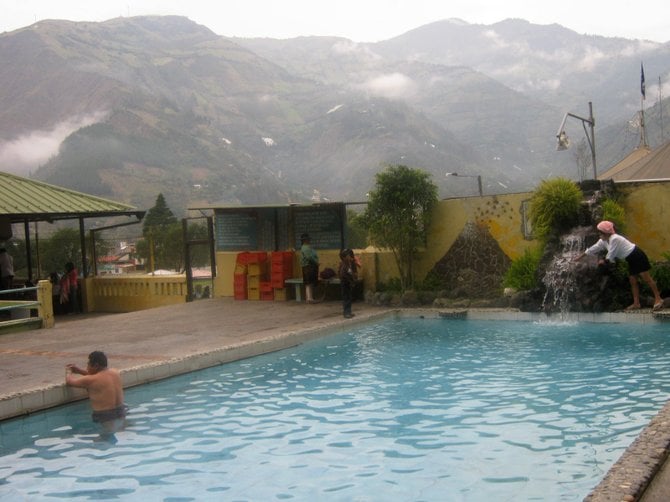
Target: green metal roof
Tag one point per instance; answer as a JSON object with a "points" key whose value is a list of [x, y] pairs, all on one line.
{"points": [[23, 199]]}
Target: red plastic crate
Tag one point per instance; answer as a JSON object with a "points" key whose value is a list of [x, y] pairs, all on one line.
{"points": [[282, 256], [247, 257], [240, 286], [277, 279]]}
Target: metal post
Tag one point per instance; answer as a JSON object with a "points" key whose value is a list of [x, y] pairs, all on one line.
{"points": [[187, 261], [82, 243], [592, 123], [479, 185]]}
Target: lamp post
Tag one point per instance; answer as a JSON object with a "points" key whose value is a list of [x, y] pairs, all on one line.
{"points": [[564, 141], [479, 180]]}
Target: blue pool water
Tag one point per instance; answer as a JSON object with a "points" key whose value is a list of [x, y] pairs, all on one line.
{"points": [[411, 409]]}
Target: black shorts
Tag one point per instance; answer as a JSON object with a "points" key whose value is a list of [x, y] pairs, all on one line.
{"points": [[109, 415], [637, 262], [310, 274]]}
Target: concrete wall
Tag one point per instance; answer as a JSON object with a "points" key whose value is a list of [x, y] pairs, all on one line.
{"points": [[132, 293], [498, 218], [647, 206]]}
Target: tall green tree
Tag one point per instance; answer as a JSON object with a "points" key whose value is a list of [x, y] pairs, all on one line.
{"points": [[160, 216], [163, 240], [356, 231], [398, 215]]}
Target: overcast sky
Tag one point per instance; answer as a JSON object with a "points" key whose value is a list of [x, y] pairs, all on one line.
{"points": [[358, 20]]}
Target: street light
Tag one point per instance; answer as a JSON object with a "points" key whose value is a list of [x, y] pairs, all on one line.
{"points": [[479, 180], [564, 141]]}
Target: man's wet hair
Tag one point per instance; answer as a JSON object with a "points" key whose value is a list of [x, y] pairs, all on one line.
{"points": [[97, 358]]}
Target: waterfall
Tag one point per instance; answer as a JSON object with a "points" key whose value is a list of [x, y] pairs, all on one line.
{"points": [[560, 278]]}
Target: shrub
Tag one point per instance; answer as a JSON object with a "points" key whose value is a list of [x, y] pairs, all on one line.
{"points": [[431, 283], [522, 273], [661, 274], [555, 207], [392, 286], [614, 212]]}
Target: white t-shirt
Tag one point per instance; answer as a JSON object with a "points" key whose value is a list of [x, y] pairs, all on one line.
{"points": [[617, 247]]}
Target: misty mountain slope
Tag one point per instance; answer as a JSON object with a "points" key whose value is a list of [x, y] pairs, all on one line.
{"points": [[135, 106], [167, 111], [547, 62], [537, 73], [515, 133], [356, 130], [193, 115]]}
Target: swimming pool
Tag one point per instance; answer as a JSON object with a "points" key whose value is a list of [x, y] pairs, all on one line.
{"points": [[406, 409]]}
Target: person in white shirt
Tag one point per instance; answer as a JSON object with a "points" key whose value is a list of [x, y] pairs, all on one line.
{"points": [[618, 247]]}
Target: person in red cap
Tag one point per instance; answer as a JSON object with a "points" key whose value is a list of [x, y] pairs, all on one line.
{"points": [[618, 247]]}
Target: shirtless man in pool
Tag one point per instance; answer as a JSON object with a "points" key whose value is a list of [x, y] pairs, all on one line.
{"points": [[104, 387]]}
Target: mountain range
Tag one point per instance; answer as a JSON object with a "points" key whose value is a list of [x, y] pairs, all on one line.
{"points": [[133, 107]]}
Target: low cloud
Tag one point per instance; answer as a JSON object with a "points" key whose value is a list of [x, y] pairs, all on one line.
{"points": [[391, 86], [591, 58], [29, 151], [349, 48]]}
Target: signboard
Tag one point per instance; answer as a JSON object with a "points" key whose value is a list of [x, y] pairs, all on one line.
{"points": [[236, 231], [323, 224], [278, 228]]}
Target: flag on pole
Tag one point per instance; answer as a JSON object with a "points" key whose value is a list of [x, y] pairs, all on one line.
{"points": [[642, 89]]}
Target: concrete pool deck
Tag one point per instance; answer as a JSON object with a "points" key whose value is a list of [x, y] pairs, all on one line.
{"points": [[162, 342]]}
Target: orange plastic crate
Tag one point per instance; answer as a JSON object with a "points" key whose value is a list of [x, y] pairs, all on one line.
{"points": [[280, 294], [277, 279], [248, 257]]}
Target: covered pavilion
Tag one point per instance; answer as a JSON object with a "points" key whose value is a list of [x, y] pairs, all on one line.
{"points": [[24, 201]]}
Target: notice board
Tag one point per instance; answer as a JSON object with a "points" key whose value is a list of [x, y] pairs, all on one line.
{"points": [[324, 224], [236, 230], [279, 228]]}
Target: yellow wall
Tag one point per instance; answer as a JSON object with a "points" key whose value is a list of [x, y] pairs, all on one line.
{"points": [[501, 215], [646, 206], [647, 210], [131, 293]]}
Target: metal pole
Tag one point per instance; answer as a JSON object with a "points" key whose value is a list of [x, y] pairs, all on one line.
{"points": [[26, 233], [592, 123], [187, 261], [479, 185], [82, 243]]}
